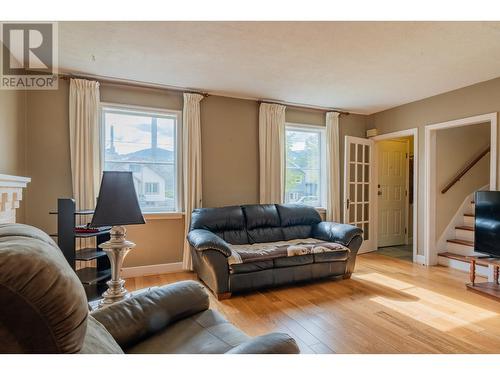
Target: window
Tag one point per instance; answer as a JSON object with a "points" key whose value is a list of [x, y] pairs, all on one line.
{"points": [[305, 170], [144, 142], [152, 187]]}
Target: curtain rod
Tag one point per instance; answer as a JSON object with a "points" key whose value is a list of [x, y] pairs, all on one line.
{"points": [[118, 81], [134, 83], [305, 106]]}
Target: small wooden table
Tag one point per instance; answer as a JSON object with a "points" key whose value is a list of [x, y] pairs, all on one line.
{"points": [[489, 289]]}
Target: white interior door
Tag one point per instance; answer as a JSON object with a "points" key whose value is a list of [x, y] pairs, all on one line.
{"points": [[358, 195], [392, 192]]}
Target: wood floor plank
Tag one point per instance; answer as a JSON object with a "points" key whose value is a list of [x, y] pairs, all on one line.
{"points": [[388, 306]]}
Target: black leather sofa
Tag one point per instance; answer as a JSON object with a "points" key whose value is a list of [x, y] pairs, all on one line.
{"points": [[215, 231]]}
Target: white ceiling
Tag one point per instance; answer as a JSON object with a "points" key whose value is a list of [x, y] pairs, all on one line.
{"points": [[363, 67]]}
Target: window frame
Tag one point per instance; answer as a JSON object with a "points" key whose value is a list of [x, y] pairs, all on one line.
{"points": [[321, 129], [149, 111]]}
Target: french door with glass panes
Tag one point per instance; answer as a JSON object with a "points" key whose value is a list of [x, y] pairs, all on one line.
{"points": [[358, 195]]}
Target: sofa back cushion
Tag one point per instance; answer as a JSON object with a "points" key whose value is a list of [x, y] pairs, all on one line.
{"points": [[226, 222], [44, 308], [297, 220], [257, 223], [263, 223]]}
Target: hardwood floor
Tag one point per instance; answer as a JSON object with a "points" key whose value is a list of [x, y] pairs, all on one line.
{"points": [[388, 306]]}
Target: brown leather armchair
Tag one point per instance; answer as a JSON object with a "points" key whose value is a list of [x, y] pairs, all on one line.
{"points": [[44, 310]]}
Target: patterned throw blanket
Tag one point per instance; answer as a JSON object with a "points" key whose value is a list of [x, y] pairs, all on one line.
{"points": [[271, 250]]}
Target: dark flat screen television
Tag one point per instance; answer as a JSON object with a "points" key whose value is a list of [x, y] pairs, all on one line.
{"points": [[487, 223]]}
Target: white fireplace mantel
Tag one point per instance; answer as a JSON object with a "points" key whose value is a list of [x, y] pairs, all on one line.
{"points": [[11, 193]]}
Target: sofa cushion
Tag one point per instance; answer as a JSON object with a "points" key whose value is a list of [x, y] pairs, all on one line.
{"points": [[258, 252], [263, 223], [341, 255], [297, 214], [98, 340], [293, 261], [261, 256], [206, 332], [226, 222], [296, 220], [251, 266], [46, 303]]}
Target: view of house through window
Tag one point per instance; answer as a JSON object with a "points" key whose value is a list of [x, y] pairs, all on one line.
{"points": [[144, 143], [305, 165]]}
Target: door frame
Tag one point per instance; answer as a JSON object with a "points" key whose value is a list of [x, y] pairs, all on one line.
{"points": [[370, 244], [387, 137], [430, 191]]}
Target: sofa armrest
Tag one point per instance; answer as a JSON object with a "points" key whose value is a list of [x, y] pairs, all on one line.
{"points": [[273, 343], [202, 239], [335, 232], [131, 320]]}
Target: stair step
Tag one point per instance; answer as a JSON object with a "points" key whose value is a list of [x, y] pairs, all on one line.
{"points": [[480, 260], [464, 232], [469, 215], [461, 242], [468, 220]]}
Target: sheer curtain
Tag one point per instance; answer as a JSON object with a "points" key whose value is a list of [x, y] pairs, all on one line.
{"points": [[271, 152], [191, 150], [84, 141], [333, 167]]}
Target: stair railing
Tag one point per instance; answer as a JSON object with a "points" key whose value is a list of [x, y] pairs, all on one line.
{"points": [[465, 169]]}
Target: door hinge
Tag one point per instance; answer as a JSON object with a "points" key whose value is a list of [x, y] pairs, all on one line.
{"points": [[406, 231], [406, 155]]}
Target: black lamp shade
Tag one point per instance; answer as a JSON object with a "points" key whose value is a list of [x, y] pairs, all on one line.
{"points": [[117, 203]]}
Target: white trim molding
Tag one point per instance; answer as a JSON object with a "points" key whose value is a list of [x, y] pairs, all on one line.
{"points": [[153, 269], [11, 193], [417, 255], [430, 240]]}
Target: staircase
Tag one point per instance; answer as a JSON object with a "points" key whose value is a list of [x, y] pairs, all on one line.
{"points": [[458, 240]]}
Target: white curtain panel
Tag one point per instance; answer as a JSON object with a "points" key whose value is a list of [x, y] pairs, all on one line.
{"points": [[333, 167], [84, 141], [191, 147], [271, 152]]}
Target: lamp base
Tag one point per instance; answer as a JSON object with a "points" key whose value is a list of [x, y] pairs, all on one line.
{"points": [[116, 249]]}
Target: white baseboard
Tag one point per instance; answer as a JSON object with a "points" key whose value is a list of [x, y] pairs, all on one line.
{"points": [[153, 269], [419, 259]]}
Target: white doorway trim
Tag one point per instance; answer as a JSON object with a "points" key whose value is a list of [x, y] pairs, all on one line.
{"points": [[430, 240], [384, 137]]}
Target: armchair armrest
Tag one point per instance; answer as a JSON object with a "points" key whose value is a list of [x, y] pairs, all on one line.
{"points": [[273, 343], [202, 239], [141, 315], [335, 232]]}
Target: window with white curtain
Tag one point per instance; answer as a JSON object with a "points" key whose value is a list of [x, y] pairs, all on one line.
{"points": [[145, 142], [305, 165]]}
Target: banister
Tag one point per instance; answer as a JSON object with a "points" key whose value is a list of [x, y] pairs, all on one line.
{"points": [[465, 169]]}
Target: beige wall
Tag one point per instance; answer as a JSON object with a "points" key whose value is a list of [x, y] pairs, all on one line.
{"points": [[229, 148], [468, 101], [455, 148], [12, 130], [12, 137], [48, 162], [230, 151]]}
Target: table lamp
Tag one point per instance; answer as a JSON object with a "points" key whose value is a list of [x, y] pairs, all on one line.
{"points": [[117, 205]]}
